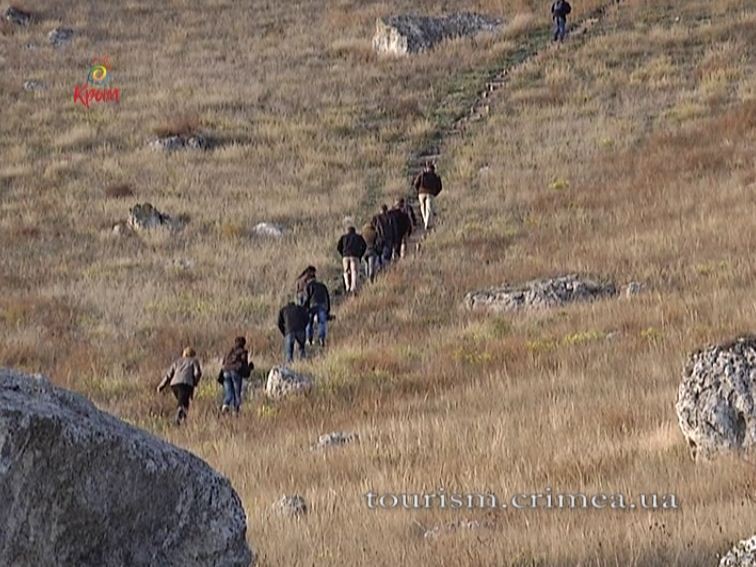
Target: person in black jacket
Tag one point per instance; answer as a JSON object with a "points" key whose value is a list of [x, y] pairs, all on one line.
{"points": [[384, 228], [352, 248], [292, 322], [428, 186], [319, 305], [403, 227], [559, 12]]}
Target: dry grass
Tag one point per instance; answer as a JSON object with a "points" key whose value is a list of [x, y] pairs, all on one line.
{"points": [[628, 154]]}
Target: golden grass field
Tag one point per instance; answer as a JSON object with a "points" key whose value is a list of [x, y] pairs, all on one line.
{"points": [[628, 152]]}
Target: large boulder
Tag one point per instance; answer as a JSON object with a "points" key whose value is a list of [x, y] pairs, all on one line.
{"points": [[742, 555], [716, 401], [539, 294], [283, 382], [80, 487], [406, 34]]}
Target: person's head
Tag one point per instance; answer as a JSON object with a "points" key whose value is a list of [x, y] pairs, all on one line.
{"points": [[399, 203], [239, 342], [384, 208], [430, 166], [351, 229], [311, 270], [188, 352]]}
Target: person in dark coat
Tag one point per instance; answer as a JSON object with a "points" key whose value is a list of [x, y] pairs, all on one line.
{"points": [[385, 233], [428, 186], [301, 284], [352, 248], [373, 251], [236, 367], [292, 322], [318, 304], [402, 225], [559, 12]]}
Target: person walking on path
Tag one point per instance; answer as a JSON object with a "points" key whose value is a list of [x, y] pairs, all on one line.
{"points": [[319, 306], [385, 235], [352, 248], [183, 377], [403, 227], [428, 186], [236, 367], [292, 322], [301, 284], [559, 12], [373, 251]]}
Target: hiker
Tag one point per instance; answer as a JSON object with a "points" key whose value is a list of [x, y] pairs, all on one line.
{"points": [[559, 12], [403, 227], [183, 377], [428, 186], [301, 284], [373, 251], [385, 234], [236, 367], [292, 322], [352, 248], [319, 306]]}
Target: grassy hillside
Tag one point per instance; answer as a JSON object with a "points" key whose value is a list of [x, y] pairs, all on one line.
{"points": [[628, 153]]}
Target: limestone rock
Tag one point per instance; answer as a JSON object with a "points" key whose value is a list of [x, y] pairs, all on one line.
{"points": [[268, 230], [60, 36], [406, 34], [179, 142], [33, 85], [146, 217], [716, 401], [283, 382], [80, 487], [452, 527], [335, 439], [17, 16], [742, 555], [539, 294], [294, 506], [634, 288]]}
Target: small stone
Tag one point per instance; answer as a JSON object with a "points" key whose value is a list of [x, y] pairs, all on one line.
{"points": [[146, 217], [335, 439], [33, 85], [60, 36], [18, 17], [634, 288], [268, 230], [742, 555], [452, 527], [179, 142], [293, 506]]}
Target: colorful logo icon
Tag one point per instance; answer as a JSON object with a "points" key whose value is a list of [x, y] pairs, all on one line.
{"points": [[97, 88]]}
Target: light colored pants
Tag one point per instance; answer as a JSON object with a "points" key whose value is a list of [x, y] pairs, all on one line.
{"points": [[426, 209], [351, 272]]}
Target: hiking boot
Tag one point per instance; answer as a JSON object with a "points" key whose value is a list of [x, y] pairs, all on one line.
{"points": [[225, 409], [180, 416], [321, 343]]}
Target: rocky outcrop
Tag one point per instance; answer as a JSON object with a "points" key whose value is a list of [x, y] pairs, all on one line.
{"points": [[742, 555], [540, 294], [17, 16], [283, 382], [716, 401], [294, 506], [179, 142], [80, 487], [268, 230], [335, 439], [146, 217], [406, 34], [60, 36]]}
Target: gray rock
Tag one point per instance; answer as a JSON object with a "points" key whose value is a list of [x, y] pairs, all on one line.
{"points": [[716, 401], [80, 487], [540, 294], [146, 217], [335, 439], [453, 527], [121, 228], [742, 555], [634, 288], [294, 506], [18, 17], [33, 85], [283, 382], [406, 34], [176, 142], [60, 36], [268, 230]]}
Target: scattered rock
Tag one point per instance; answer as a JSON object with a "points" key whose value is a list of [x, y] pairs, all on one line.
{"points": [[146, 217], [634, 288], [539, 294], [716, 402], [742, 555], [33, 85], [294, 506], [60, 36], [283, 382], [335, 439], [182, 264], [406, 34], [81, 487], [176, 142], [268, 230], [452, 527], [18, 17], [121, 228]]}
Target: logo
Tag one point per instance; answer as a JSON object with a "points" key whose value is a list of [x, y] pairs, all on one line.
{"points": [[97, 88]]}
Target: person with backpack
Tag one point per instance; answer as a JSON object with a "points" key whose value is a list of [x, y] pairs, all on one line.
{"points": [[318, 303], [292, 322], [352, 248], [183, 377], [236, 367], [559, 12], [428, 186]]}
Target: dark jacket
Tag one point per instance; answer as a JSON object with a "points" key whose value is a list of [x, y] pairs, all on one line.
{"points": [[292, 318], [317, 295], [237, 360], [381, 224], [561, 9], [410, 212], [402, 223], [428, 183], [352, 245]]}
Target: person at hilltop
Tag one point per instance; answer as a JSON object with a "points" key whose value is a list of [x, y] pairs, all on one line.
{"points": [[402, 222], [301, 284], [384, 228], [318, 304], [183, 377], [428, 186], [559, 12], [236, 367], [352, 248], [292, 322], [373, 251]]}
